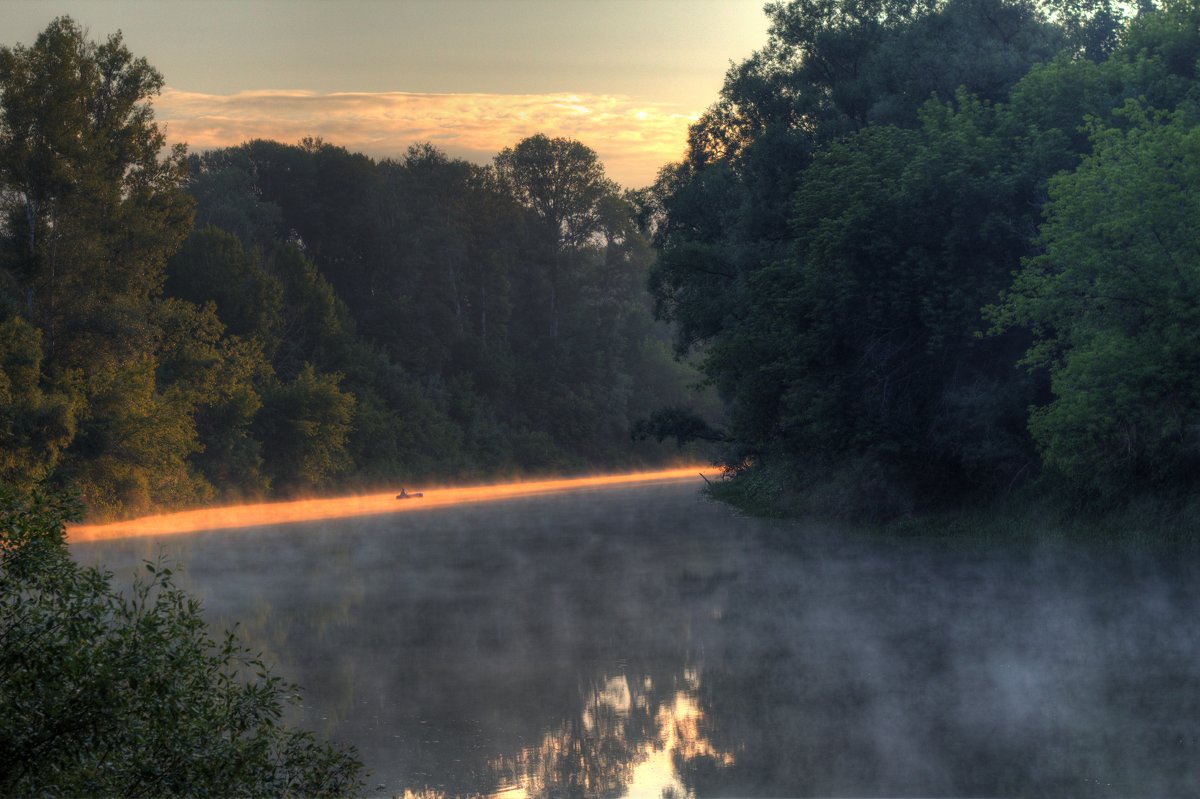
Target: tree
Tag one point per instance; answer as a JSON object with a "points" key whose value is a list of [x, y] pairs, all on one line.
{"points": [[829, 68], [562, 182], [93, 209], [852, 199], [215, 378], [1114, 307], [35, 424], [222, 182], [901, 238], [304, 426], [113, 692], [213, 266]]}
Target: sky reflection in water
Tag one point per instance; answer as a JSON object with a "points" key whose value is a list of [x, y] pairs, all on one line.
{"points": [[640, 640]]}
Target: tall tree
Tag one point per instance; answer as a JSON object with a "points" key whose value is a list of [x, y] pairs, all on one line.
{"points": [[94, 208], [562, 181]]}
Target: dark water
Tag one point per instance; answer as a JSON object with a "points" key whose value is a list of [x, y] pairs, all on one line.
{"points": [[647, 642]]}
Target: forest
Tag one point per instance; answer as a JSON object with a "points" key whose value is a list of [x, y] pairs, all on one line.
{"points": [[273, 320], [932, 254], [923, 253]]}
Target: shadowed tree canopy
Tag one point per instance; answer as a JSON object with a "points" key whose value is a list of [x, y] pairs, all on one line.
{"points": [[81, 159], [562, 182], [332, 320], [94, 205], [1113, 301], [870, 181]]}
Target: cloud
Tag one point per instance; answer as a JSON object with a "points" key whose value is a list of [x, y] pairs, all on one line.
{"points": [[633, 138]]}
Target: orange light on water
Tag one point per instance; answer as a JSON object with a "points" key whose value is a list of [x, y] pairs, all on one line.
{"points": [[307, 510]]}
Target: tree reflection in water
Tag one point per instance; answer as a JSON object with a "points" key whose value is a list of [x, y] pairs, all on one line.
{"points": [[626, 740]]}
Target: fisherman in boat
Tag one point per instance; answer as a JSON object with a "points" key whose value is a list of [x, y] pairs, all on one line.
{"points": [[405, 495]]}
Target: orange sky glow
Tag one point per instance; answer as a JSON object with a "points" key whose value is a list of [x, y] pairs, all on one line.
{"points": [[307, 510], [633, 138], [625, 77]]}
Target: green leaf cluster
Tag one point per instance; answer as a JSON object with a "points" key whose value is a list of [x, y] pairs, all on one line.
{"points": [[122, 692], [1114, 305]]}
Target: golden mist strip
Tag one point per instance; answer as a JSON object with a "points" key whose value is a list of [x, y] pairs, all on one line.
{"points": [[307, 510]]}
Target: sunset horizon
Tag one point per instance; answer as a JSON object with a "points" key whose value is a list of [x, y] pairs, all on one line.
{"points": [[633, 139], [468, 77]]}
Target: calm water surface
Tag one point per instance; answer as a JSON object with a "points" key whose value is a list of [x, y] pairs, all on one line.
{"points": [[647, 642]]}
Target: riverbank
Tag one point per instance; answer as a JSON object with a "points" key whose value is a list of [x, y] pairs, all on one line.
{"points": [[1035, 513]]}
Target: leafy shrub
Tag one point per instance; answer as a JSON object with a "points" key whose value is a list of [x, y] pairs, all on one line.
{"points": [[111, 693]]}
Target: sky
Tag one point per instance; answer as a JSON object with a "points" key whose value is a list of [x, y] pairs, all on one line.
{"points": [[625, 77]]}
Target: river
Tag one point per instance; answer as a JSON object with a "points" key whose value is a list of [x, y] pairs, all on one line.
{"points": [[644, 641]]}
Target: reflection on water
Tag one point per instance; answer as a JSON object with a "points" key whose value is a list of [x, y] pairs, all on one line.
{"points": [[626, 739], [643, 642]]}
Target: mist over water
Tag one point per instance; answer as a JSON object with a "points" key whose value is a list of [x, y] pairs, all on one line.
{"points": [[641, 640]]}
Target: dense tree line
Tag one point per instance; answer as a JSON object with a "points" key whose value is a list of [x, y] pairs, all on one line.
{"points": [[273, 319], [933, 251]]}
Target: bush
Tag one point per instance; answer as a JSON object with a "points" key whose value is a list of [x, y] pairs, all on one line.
{"points": [[110, 693]]}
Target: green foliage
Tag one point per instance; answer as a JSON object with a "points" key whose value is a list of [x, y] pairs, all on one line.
{"points": [[216, 379], [92, 210], [1114, 305], [681, 424], [834, 235], [110, 692], [1159, 53], [1092, 27], [132, 444], [315, 323], [484, 318], [35, 424], [862, 343], [333, 320], [829, 68], [222, 183], [212, 266], [305, 425], [562, 181]]}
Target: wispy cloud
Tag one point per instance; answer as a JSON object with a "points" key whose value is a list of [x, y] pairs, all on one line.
{"points": [[632, 138]]}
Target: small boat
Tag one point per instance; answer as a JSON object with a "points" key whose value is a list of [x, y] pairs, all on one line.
{"points": [[405, 495]]}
